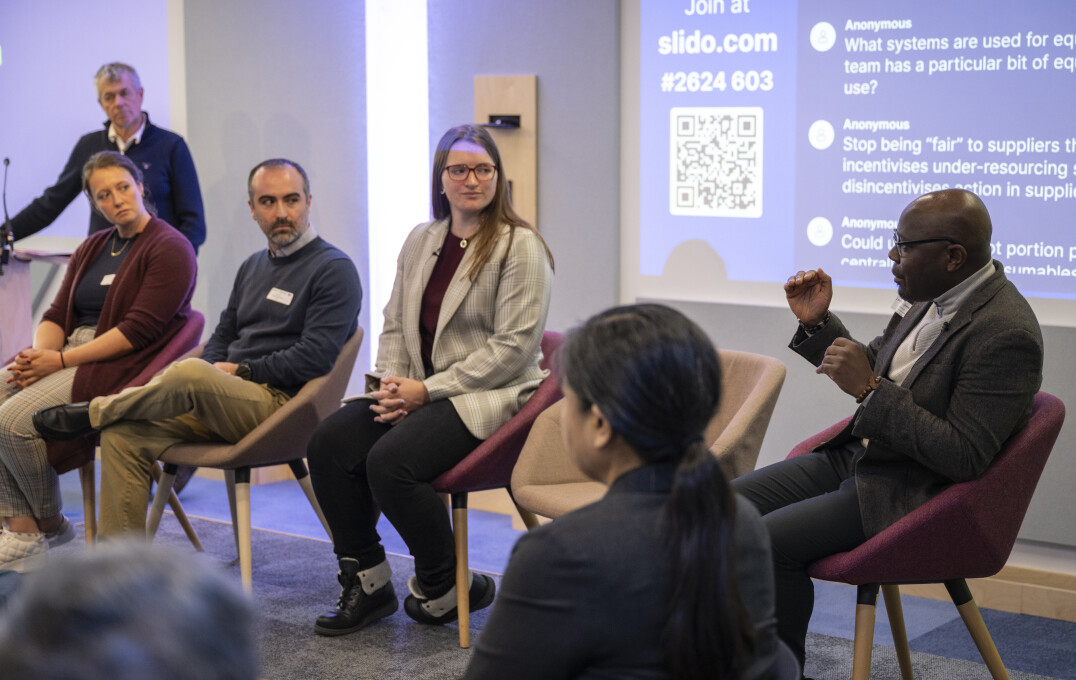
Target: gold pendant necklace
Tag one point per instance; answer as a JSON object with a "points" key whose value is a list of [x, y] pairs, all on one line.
{"points": [[463, 243], [112, 248]]}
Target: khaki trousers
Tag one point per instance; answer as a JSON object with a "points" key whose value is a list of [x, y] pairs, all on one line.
{"points": [[190, 401]]}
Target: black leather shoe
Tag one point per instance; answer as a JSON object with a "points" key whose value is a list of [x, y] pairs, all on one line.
{"points": [[365, 596], [443, 609], [64, 423]]}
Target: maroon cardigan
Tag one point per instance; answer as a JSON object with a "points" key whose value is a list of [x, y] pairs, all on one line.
{"points": [[149, 302]]}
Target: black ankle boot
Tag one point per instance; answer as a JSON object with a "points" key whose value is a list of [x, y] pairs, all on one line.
{"points": [[443, 609], [365, 597]]}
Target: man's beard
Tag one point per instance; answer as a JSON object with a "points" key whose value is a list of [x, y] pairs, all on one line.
{"points": [[283, 239]]}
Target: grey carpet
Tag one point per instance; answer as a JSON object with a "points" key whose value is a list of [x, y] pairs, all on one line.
{"points": [[295, 578], [830, 658]]}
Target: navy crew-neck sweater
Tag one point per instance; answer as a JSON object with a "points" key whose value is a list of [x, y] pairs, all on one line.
{"points": [[288, 317], [169, 179]]}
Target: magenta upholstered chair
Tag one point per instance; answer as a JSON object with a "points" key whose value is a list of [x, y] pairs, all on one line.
{"points": [[966, 531], [490, 467], [187, 337]]}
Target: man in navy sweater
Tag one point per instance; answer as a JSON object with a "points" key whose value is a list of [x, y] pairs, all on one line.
{"points": [[170, 179], [291, 310]]}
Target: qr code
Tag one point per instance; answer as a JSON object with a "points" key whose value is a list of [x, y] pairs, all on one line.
{"points": [[716, 168]]}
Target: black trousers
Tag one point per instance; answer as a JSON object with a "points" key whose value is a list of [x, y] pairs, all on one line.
{"points": [[358, 466], [811, 507]]}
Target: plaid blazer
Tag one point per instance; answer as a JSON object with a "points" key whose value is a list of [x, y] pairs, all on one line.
{"points": [[487, 345]]}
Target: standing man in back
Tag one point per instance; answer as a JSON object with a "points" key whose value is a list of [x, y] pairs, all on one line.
{"points": [[170, 180]]}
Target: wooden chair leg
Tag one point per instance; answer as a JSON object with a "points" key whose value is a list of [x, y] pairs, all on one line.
{"points": [[181, 515], [229, 483], [969, 612], [160, 498], [241, 511], [530, 520], [302, 475], [88, 481], [463, 570], [165, 493], [866, 608], [173, 503], [900, 635]]}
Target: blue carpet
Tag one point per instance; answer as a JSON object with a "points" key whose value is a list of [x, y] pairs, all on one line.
{"points": [[1028, 643], [281, 506], [835, 614]]}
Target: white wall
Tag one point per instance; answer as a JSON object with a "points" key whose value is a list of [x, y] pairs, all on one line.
{"points": [[573, 49], [268, 78], [48, 95]]}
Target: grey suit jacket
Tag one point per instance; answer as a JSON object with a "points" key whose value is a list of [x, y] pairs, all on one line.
{"points": [[487, 346], [585, 596], [963, 398]]}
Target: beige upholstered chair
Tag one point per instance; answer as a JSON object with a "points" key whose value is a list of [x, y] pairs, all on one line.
{"points": [[547, 483], [282, 438]]}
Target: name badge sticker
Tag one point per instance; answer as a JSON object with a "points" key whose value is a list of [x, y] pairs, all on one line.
{"points": [[281, 296], [900, 306], [108, 279]]}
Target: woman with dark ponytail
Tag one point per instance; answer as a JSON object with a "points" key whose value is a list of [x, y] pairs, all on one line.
{"points": [[669, 575]]}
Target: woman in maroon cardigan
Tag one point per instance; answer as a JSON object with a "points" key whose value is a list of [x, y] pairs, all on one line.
{"points": [[127, 291]]}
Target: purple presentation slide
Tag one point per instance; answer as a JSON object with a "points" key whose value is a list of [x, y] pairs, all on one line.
{"points": [[788, 135]]}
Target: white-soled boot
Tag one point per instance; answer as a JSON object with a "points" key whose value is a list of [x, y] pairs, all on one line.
{"points": [[443, 609]]}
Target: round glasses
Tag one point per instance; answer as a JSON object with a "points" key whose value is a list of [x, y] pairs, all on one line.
{"points": [[903, 246], [483, 172]]}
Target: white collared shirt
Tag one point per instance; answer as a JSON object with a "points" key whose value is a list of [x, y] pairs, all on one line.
{"points": [[947, 303], [114, 136]]}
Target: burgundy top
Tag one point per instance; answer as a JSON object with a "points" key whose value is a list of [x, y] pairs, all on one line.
{"points": [[149, 302], [448, 262]]}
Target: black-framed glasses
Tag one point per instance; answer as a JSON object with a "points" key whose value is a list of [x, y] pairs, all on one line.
{"points": [[902, 246], [482, 172]]}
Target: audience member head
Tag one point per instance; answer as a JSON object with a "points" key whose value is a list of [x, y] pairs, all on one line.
{"points": [[115, 174], [279, 192], [128, 610], [647, 379], [278, 163], [944, 238], [119, 92]]}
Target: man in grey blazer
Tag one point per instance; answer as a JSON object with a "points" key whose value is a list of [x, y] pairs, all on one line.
{"points": [[950, 379]]}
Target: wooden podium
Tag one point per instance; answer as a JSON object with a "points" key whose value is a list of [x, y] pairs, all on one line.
{"points": [[17, 297], [16, 301]]}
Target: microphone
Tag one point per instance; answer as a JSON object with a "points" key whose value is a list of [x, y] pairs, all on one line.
{"points": [[945, 326], [7, 241]]}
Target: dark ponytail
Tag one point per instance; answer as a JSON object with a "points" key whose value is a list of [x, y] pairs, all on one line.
{"points": [[656, 377], [708, 633]]}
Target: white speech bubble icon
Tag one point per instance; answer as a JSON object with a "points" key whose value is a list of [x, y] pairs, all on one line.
{"points": [[823, 36], [819, 231], [820, 134]]}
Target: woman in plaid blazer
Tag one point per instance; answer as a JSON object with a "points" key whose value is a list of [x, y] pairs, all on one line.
{"points": [[458, 356]]}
